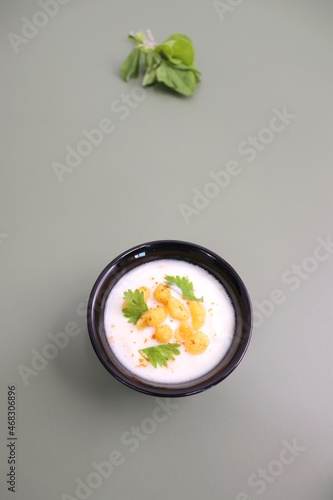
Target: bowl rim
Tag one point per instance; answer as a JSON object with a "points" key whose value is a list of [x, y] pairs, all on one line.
{"points": [[133, 254]]}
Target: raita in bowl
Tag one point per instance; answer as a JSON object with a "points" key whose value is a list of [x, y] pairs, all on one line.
{"points": [[169, 318]]}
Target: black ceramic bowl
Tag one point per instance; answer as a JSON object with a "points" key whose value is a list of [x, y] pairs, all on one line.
{"points": [[194, 254]]}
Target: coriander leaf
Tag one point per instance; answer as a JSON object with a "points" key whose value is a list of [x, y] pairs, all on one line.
{"points": [[184, 285], [160, 354], [131, 66], [135, 305]]}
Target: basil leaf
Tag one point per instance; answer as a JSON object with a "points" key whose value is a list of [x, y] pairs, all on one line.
{"points": [[149, 78], [151, 61], [171, 63], [180, 80], [177, 51], [131, 66]]}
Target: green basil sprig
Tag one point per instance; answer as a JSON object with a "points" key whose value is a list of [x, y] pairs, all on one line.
{"points": [[172, 63]]}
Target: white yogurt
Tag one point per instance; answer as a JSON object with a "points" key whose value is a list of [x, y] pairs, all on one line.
{"points": [[125, 339]]}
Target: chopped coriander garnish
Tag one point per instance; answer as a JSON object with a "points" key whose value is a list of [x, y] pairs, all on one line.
{"points": [[185, 286], [160, 354], [135, 305]]}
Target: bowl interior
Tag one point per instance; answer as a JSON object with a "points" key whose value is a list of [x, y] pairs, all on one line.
{"points": [[193, 254]]}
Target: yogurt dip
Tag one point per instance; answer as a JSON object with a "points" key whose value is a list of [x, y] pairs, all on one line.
{"points": [[126, 339]]}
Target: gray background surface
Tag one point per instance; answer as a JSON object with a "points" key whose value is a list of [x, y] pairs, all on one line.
{"points": [[55, 238]]}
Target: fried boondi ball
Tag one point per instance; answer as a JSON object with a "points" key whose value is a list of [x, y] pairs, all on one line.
{"points": [[162, 293], [146, 292], [197, 343], [142, 322], [177, 310], [183, 331], [152, 317], [198, 314], [163, 333]]}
